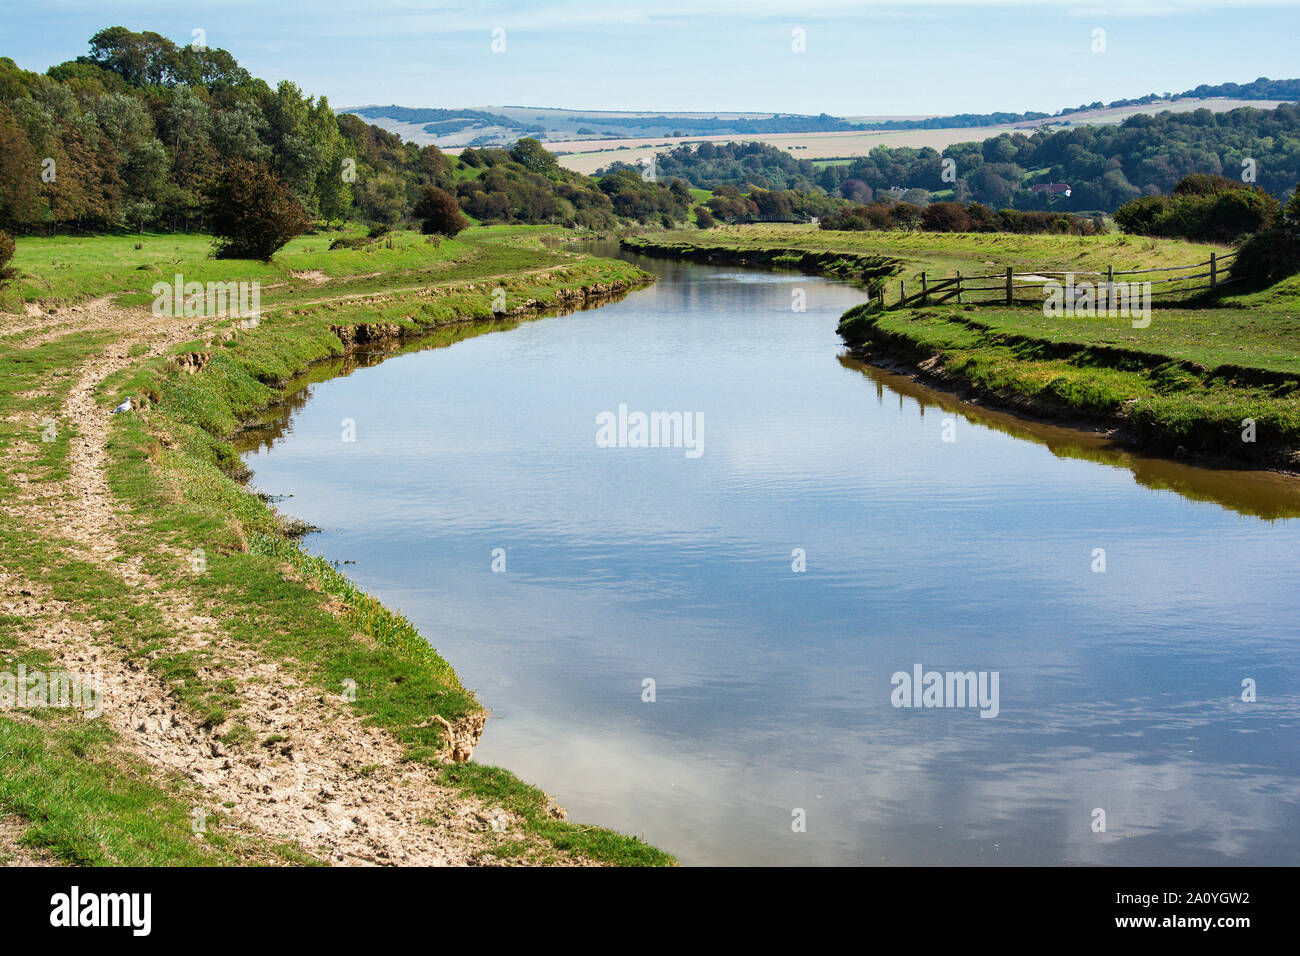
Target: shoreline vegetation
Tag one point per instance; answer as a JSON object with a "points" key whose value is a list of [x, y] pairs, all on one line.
{"points": [[247, 683], [1217, 381]]}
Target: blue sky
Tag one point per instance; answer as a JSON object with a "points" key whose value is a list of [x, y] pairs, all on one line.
{"points": [[878, 57]]}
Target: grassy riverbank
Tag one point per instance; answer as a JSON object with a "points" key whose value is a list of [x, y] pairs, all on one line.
{"points": [[1184, 384], [905, 255], [245, 682], [1190, 382]]}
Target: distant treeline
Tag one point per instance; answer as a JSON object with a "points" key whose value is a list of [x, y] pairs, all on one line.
{"points": [[1261, 89], [693, 125], [442, 121], [525, 184], [406, 114], [1105, 166], [729, 204], [955, 217], [439, 122], [710, 165]]}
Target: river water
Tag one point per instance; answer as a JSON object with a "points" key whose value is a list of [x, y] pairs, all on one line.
{"points": [[636, 620]]}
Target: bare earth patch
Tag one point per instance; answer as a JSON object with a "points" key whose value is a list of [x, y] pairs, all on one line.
{"points": [[13, 853]]}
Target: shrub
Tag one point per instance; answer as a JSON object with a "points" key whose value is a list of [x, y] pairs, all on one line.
{"points": [[983, 219], [1203, 207], [6, 255], [906, 215], [1274, 254], [1266, 258], [439, 213], [252, 212], [945, 217], [1139, 215], [1204, 184], [703, 218]]}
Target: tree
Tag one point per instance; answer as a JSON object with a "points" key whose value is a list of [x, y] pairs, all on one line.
{"points": [[439, 212], [1139, 216], [703, 218], [905, 215], [252, 212], [19, 198], [533, 156]]}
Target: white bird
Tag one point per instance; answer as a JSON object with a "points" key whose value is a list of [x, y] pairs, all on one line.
{"points": [[124, 407]]}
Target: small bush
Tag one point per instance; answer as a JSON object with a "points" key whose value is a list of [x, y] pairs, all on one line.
{"points": [[439, 213], [350, 242], [252, 213]]}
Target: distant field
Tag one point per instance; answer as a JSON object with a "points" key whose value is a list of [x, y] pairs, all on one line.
{"points": [[586, 156], [593, 133]]}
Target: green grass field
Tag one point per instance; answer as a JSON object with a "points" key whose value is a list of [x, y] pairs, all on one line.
{"points": [[941, 255]]}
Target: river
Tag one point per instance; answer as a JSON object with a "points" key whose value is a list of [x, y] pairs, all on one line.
{"points": [[706, 643]]}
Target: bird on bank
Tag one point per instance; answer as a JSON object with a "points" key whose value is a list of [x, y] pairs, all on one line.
{"points": [[124, 407]]}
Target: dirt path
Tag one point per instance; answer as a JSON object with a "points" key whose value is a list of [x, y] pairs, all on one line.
{"points": [[309, 771]]}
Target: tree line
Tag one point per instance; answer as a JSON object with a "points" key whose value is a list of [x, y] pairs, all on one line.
{"points": [[135, 133], [1104, 165], [1261, 89]]}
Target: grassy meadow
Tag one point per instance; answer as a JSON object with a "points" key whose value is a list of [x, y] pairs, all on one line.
{"points": [[942, 255]]}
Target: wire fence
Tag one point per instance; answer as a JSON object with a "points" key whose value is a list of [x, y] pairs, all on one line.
{"points": [[1031, 288]]}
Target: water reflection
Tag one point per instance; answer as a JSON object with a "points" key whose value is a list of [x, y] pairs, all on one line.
{"points": [[1256, 492], [1119, 690]]}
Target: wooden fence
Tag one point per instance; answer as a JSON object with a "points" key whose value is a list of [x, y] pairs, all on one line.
{"points": [[1009, 287]]}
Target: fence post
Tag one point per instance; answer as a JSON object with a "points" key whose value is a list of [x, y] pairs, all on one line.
{"points": [[902, 293], [925, 291], [1214, 269], [1110, 286], [959, 287], [1008, 285]]}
